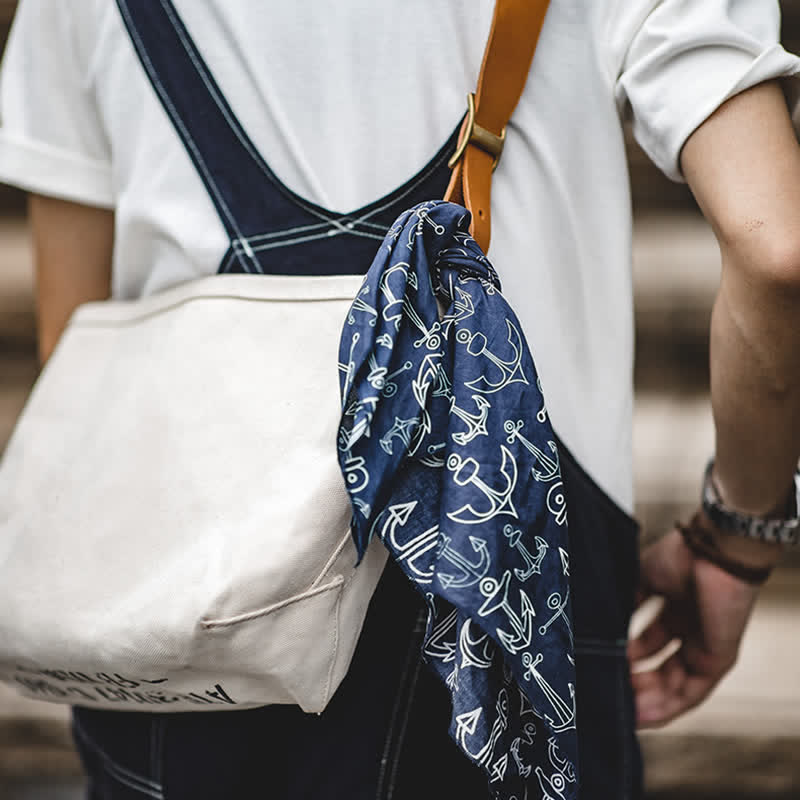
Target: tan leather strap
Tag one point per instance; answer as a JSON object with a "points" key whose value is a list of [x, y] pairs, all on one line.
{"points": [[506, 62]]}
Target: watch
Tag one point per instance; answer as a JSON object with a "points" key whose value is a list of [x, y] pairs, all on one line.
{"points": [[785, 531]]}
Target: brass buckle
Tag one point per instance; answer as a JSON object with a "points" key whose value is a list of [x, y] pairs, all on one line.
{"points": [[489, 142]]}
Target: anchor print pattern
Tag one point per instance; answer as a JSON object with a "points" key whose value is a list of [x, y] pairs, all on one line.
{"points": [[449, 458]]}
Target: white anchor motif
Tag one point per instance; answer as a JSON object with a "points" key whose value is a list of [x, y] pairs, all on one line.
{"points": [[419, 388], [510, 371], [362, 427], [463, 236], [423, 217], [476, 423], [564, 561], [541, 414], [496, 594], [486, 753], [351, 410], [402, 429], [356, 474], [550, 467], [463, 309], [442, 644], [463, 304], [393, 310], [431, 337], [470, 573], [560, 765], [360, 305], [379, 379], [432, 459], [396, 516], [470, 656], [499, 768], [466, 725], [534, 564], [523, 769], [393, 234], [416, 549], [428, 373], [467, 472], [552, 787], [557, 502], [528, 717], [564, 715], [559, 609], [419, 548], [452, 679], [349, 368], [443, 386], [364, 508]]}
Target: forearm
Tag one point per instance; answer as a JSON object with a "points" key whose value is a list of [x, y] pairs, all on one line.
{"points": [[755, 391], [743, 165]]}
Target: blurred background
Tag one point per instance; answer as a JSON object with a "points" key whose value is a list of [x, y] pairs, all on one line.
{"points": [[745, 742]]}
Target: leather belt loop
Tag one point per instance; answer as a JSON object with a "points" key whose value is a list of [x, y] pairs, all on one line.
{"points": [[507, 59]]}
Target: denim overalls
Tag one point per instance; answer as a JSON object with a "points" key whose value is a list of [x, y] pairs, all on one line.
{"points": [[384, 734]]}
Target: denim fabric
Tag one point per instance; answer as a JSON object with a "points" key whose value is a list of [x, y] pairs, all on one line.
{"points": [[384, 735], [603, 573]]}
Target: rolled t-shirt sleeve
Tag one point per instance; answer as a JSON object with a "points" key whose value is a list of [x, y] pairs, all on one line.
{"points": [[684, 58], [51, 138]]}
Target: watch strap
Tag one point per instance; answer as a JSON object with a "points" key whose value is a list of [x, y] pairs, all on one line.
{"points": [[784, 531]]}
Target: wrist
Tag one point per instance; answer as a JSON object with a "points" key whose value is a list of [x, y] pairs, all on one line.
{"points": [[749, 552], [779, 525], [779, 504], [704, 541]]}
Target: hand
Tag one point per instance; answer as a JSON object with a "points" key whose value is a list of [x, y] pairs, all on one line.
{"points": [[706, 610]]}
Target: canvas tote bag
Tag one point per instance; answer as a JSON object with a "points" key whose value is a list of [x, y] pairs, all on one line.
{"points": [[158, 554]]}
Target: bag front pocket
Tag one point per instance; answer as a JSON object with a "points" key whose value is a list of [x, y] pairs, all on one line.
{"points": [[277, 654]]}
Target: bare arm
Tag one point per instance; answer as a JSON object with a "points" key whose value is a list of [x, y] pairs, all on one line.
{"points": [[744, 168], [72, 252], [743, 165]]}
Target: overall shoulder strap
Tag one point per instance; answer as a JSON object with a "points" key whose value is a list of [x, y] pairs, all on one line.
{"points": [[506, 62], [237, 178]]}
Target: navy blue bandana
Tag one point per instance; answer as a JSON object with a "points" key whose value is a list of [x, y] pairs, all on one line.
{"points": [[449, 458]]}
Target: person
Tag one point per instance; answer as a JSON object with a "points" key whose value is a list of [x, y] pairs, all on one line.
{"points": [[346, 106]]}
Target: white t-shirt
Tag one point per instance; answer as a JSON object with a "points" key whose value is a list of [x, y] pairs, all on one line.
{"points": [[347, 100]]}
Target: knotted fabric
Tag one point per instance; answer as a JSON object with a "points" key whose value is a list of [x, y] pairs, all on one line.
{"points": [[448, 456]]}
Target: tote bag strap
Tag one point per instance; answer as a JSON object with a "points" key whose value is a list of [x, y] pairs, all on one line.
{"points": [[506, 62]]}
